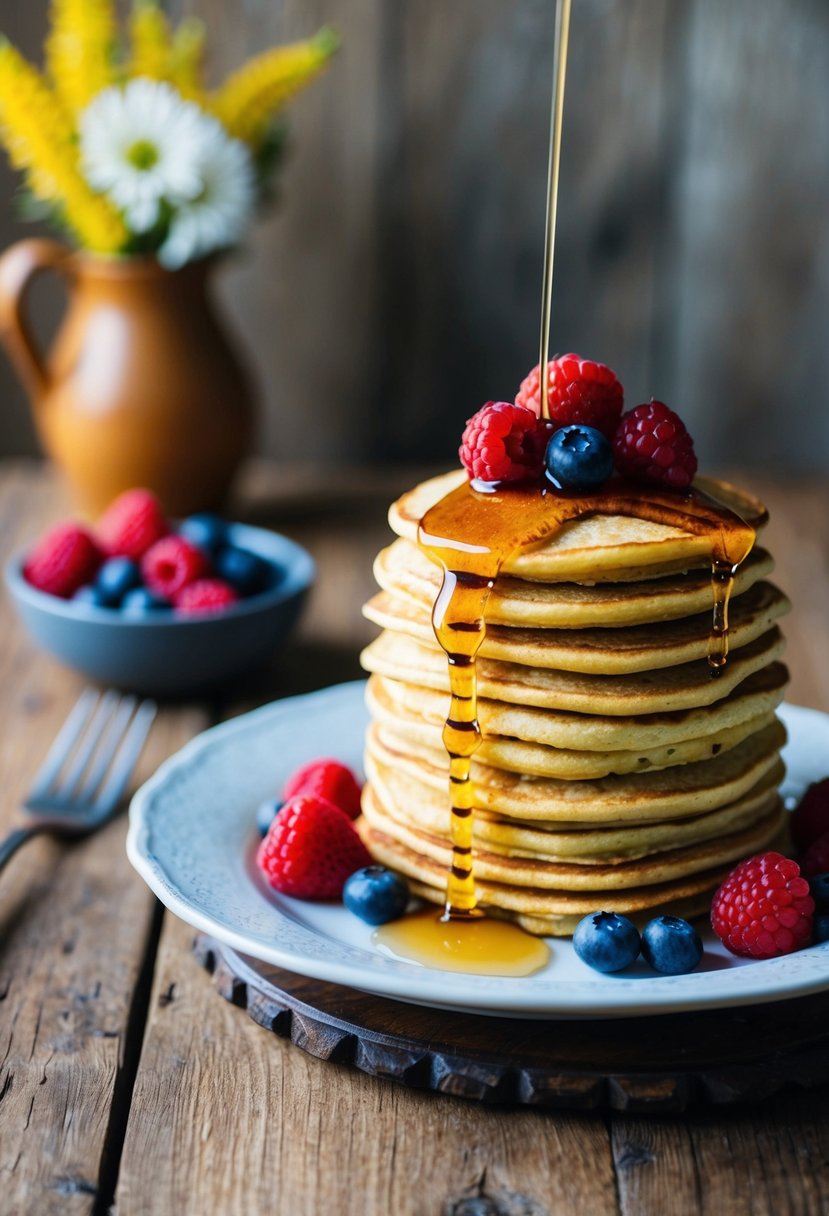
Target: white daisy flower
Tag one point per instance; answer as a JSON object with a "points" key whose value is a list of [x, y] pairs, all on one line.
{"points": [[217, 216], [143, 143]]}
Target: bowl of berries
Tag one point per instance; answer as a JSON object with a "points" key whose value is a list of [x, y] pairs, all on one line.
{"points": [[160, 607]]}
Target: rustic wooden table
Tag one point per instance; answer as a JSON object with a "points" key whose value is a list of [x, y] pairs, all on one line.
{"points": [[128, 1085]]}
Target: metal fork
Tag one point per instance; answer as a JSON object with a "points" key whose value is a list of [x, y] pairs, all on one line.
{"points": [[84, 776]]}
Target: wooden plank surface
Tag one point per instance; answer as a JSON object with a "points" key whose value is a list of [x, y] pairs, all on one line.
{"points": [[75, 928], [223, 1118], [395, 286]]}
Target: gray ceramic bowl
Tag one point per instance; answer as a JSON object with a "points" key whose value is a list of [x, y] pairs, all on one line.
{"points": [[162, 654]]}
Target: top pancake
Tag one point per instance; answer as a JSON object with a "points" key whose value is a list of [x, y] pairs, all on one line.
{"points": [[607, 548]]}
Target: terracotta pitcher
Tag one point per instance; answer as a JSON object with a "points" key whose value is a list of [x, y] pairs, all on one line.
{"points": [[140, 387]]}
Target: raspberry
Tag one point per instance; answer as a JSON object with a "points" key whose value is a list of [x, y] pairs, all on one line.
{"points": [[63, 560], [328, 779], [131, 524], [810, 818], [815, 859], [763, 909], [311, 849], [205, 595], [652, 444], [578, 391], [504, 442], [170, 564]]}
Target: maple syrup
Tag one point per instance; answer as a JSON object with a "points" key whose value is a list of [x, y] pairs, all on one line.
{"points": [[470, 534]]}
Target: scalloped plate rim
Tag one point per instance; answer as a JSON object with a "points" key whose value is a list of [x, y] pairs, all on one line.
{"points": [[318, 941]]}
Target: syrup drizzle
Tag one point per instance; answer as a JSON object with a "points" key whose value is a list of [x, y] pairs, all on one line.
{"points": [[471, 534]]}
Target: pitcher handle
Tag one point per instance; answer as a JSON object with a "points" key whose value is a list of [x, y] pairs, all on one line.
{"points": [[18, 267]]}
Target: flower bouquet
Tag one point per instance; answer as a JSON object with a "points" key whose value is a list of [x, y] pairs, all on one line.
{"points": [[123, 145], [149, 172]]}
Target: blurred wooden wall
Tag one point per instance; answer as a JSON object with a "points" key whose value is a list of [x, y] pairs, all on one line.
{"points": [[397, 286]]}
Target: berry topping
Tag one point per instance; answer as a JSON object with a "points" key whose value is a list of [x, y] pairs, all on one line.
{"points": [[171, 564], [132, 523], [815, 859], [671, 945], [763, 909], [606, 941], [311, 849], [328, 779], [819, 891], [821, 931], [376, 895], [204, 595], [579, 390], [578, 458], [504, 442], [206, 531], [810, 818], [245, 571], [652, 444], [63, 560], [117, 576], [141, 602], [266, 812]]}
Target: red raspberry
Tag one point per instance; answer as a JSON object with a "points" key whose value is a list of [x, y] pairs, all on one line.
{"points": [[63, 560], [131, 524], [578, 391], [170, 564], [815, 859], [763, 909], [652, 444], [311, 849], [504, 442], [205, 595], [328, 779], [810, 818]]}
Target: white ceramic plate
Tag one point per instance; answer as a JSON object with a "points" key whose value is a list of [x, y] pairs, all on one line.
{"points": [[193, 838]]}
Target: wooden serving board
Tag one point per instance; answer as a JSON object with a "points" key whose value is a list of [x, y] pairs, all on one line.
{"points": [[659, 1064]]}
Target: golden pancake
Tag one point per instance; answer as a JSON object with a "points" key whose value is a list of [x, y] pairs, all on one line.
{"points": [[598, 548], [607, 651], [419, 806], [759, 694], [404, 570], [689, 686], [545, 874], [687, 789]]}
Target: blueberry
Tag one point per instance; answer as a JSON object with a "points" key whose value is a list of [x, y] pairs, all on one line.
{"points": [[821, 929], [245, 571], [89, 595], [206, 531], [606, 941], [115, 578], [578, 458], [819, 890], [140, 601], [376, 895], [266, 812], [671, 945]]}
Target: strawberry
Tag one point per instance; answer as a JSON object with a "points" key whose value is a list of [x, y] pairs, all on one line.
{"points": [[63, 560], [311, 849]]}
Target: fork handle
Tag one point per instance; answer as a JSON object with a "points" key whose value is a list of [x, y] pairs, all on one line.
{"points": [[16, 838]]}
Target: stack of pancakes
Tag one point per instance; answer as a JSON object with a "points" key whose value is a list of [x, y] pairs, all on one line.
{"points": [[614, 772]]}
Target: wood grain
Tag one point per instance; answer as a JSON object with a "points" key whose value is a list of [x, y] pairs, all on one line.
{"points": [[396, 286], [75, 926], [650, 1065]]}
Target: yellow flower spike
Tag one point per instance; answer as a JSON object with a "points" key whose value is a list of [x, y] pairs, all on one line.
{"points": [[187, 59], [249, 97], [40, 140], [80, 50], [151, 41]]}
